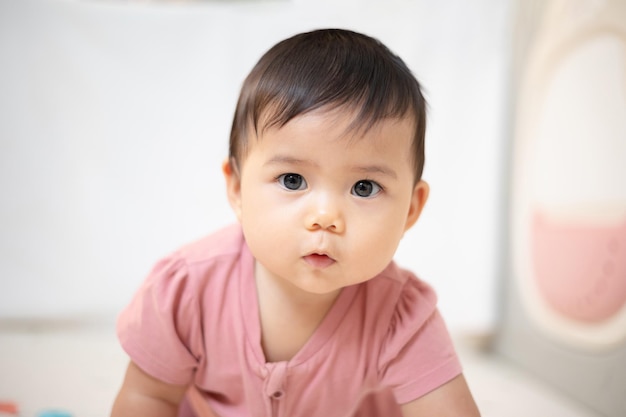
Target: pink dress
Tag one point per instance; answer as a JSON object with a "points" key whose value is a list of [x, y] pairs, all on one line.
{"points": [[195, 321]]}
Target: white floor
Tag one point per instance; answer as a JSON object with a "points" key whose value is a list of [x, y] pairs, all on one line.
{"points": [[78, 369]]}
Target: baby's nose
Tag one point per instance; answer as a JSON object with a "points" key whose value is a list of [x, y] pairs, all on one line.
{"points": [[325, 214]]}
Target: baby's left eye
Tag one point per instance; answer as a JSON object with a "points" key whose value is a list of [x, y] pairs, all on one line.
{"points": [[365, 188]]}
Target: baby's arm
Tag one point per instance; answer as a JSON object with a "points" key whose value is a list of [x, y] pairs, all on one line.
{"points": [[144, 395], [452, 399]]}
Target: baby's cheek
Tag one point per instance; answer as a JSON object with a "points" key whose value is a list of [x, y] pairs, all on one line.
{"points": [[580, 270]]}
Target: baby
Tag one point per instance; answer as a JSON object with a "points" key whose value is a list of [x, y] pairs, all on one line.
{"points": [[299, 309]]}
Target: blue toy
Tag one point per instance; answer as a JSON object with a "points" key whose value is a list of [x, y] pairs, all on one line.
{"points": [[54, 413]]}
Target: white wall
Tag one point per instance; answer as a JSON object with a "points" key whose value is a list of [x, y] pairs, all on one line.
{"points": [[114, 118]]}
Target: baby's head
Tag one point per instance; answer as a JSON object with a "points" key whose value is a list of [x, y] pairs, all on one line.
{"points": [[329, 69], [326, 158]]}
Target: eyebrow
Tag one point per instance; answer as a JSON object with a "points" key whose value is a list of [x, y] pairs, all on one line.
{"points": [[288, 160], [365, 169], [376, 169]]}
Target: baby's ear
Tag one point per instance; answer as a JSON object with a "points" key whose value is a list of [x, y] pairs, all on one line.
{"points": [[418, 201], [233, 185]]}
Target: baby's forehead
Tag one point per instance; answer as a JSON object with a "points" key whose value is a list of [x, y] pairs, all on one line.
{"points": [[327, 129], [353, 122]]}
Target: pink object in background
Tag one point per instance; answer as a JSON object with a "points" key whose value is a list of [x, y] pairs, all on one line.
{"points": [[580, 270], [9, 407]]}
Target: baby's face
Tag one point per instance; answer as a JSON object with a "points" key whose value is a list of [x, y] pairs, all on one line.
{"points": [[322, 208]]}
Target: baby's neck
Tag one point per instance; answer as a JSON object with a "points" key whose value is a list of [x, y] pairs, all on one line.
{"points": [[288, 315]]}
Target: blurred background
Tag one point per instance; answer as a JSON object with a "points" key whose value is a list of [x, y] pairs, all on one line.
{"points": [[114, 120]]}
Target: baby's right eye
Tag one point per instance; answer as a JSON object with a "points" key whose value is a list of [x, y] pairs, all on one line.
{"points": [[292, 182]]}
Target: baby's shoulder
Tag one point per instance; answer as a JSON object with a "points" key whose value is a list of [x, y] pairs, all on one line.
{"points": [[402, 298], [208, 260], [406, 308], [398, 286], [217, 246]]}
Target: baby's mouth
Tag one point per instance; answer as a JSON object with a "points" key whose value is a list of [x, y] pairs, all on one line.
{"points": [[319, 260]]}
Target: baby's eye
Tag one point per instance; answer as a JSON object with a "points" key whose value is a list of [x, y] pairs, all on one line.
{"points": [[292, 181], [366, 188]]}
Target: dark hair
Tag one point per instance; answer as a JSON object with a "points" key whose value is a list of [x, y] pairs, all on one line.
{"points": [[328, 68]]}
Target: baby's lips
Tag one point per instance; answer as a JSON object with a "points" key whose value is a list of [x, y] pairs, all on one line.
{"points": [[319, 260]]}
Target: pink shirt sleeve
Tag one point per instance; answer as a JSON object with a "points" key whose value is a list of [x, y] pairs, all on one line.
{"points": [[160, 328], [418, 355]]}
